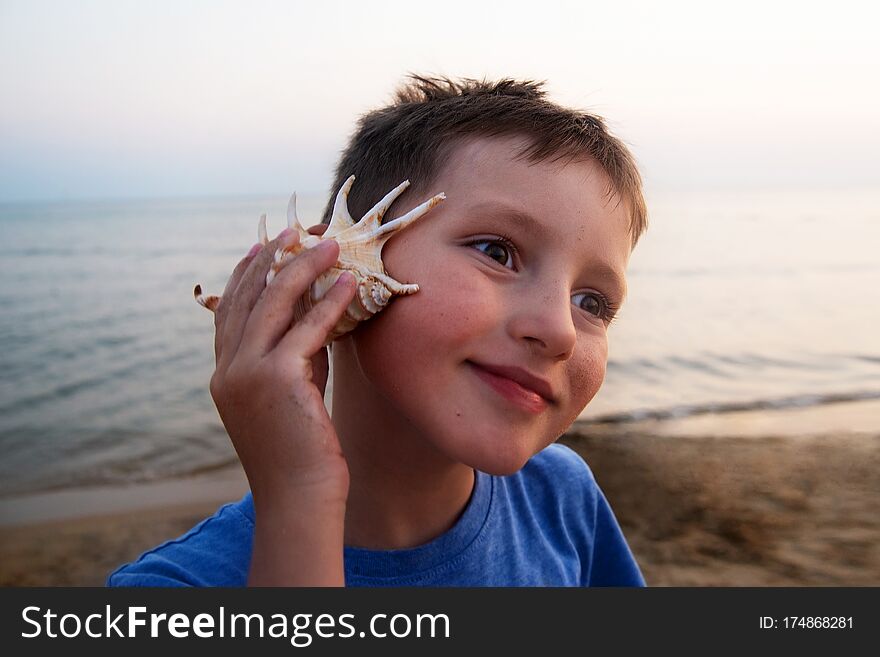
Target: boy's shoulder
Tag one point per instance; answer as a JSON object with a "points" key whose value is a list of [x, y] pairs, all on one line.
{"points": [[560, 470], [216, 552], [561, 494], [554, 493]]}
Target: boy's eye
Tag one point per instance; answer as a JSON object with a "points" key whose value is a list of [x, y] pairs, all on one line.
{"points": [[502, 251], [497, 250], [592, 302]]}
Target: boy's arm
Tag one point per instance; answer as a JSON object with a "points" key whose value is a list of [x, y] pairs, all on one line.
{"points": [[298, 539], [268, 387]]}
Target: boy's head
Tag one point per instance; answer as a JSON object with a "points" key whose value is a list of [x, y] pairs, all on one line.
{"points": [[413, 137], [520, 269]]}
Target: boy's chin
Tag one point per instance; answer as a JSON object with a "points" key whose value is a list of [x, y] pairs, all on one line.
{"points": [[502, 471], [495, 450], [499, 463]]}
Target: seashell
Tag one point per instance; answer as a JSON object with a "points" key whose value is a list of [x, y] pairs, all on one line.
{"points": [[360, 252]]}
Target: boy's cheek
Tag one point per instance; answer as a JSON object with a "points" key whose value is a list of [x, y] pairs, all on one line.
{"points": [[431, 331], [446, 310], [588, 374]]}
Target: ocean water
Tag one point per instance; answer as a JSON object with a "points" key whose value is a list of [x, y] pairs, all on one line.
{"points": [[737, 301]]}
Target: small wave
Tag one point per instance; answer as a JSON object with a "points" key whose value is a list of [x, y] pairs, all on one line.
{"points": [[866, 358], [719, 365], [688, 410], [97, 378], [114, 472]]}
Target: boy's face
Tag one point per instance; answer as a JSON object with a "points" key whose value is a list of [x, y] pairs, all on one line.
{"points": [[536, 306]]}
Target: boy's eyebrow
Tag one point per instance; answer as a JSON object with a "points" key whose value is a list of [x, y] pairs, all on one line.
{"points": [[535, 228], [525, 221], [604, 271]]}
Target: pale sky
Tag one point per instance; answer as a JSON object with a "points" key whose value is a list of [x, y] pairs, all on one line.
{"points": [[141, 99]]}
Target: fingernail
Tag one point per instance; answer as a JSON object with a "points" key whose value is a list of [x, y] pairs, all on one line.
{"points": [[344, 279], [254, 250], [326, 245]]}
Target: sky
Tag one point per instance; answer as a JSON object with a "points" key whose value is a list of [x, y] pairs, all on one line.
{"points": [[124, 99]]}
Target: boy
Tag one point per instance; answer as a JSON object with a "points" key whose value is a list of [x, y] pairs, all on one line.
{"points": [[438, 466]]}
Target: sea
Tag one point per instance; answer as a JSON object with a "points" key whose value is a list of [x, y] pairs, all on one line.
{"points": [[738, 300]]}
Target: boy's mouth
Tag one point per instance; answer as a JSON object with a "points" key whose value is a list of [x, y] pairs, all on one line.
{"points": [[516, 384]]}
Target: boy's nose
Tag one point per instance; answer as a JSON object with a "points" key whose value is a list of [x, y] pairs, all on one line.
{"points": [[545, 322]]}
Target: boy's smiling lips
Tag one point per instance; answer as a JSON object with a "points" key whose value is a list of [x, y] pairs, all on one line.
{"points": [[540, 391]]}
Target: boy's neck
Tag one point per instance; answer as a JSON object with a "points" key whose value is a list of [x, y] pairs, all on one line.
{"points": [[403, 491]]}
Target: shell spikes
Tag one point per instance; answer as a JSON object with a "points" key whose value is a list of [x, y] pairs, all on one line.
{"points": [[360, 252]]}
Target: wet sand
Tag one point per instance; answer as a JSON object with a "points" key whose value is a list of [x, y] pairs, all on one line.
{"points": [[789, 502]]}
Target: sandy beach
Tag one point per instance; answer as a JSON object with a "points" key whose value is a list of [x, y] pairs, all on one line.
{"points": [[743, 510], [762, 499], [77, 538]]}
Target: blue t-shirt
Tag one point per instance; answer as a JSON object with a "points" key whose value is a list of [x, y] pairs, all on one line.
{"points": [[547, 525]]}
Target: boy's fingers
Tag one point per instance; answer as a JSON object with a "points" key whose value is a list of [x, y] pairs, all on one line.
{"points": [[246, 293], [317, 229], [273, 313], [240, 269], [231, 284], [307, 337]]}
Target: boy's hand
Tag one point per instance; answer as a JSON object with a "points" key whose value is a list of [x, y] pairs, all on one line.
{"points": [[271, 373]]}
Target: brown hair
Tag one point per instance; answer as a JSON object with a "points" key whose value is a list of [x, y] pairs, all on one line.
{"points": [[413, 136]]}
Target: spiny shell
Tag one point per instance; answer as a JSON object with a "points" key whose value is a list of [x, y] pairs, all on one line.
{"points": [[360, 252]]}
